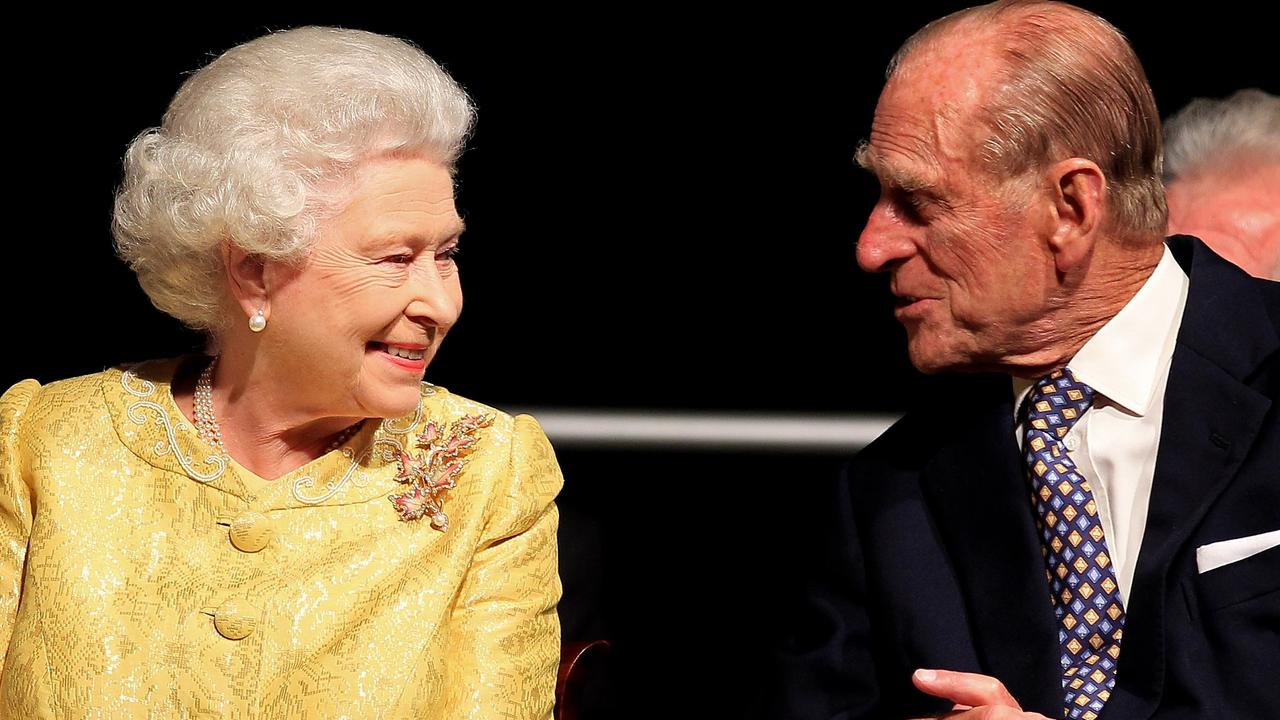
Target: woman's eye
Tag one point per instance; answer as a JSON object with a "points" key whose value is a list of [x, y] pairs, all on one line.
{"points": [[448, 254], [401, 259]]}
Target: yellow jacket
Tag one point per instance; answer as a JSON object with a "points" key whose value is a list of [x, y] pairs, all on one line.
{"points": [[142, 575]]}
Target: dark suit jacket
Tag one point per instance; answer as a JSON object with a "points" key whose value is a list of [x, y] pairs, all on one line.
{"points": [[934, 560]]}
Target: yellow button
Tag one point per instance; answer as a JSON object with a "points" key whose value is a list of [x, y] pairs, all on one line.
{"points": [[236, 619], [251, 532]]}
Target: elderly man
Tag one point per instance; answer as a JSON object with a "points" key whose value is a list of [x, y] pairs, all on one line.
{"points": [[1222, 168], [1087, 522]]}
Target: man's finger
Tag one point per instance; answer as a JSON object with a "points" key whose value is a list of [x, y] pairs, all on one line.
{"points": [[964, 688]]}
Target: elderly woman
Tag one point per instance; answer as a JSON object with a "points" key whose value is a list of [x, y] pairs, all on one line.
{"points": [[297, 526]]}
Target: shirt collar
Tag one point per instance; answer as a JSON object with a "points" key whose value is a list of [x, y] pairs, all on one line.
{"points": [[1124, 359]]}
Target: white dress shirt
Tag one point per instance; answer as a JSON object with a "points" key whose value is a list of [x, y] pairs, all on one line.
{"points": [[1114, 444]]}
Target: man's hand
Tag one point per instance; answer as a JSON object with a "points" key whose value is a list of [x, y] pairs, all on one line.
{"points": [[976, 697]]}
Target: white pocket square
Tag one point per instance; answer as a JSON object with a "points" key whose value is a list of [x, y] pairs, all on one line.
{"points": [[1215, 555]]}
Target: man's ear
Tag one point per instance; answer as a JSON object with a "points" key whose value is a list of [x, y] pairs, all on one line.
{"points": [[246, 278], [1078, 192]]}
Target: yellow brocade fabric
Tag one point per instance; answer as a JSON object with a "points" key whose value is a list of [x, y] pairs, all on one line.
{"points": [[142, 575]]}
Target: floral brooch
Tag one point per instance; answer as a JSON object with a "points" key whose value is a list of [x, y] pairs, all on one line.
{"points": [[432, 472]]}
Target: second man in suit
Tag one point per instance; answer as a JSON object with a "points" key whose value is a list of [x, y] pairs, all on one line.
{"points": [[1085, 522]]}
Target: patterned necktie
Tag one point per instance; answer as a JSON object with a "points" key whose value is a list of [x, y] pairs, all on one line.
{"points": [[1083, 583]]}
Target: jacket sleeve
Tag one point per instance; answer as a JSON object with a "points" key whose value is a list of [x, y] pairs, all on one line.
{"points": [[505, 638], [825, 665], [17, 509]]}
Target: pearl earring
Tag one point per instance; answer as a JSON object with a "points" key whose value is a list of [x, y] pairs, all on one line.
{"points": [[258, 322]]}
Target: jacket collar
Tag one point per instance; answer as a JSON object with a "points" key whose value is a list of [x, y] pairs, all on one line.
{"points": [[1214, 408], [147, 420]]}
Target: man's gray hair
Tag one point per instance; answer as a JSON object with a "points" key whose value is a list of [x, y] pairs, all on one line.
{"points": [[1210, 134], [1070, 86]]}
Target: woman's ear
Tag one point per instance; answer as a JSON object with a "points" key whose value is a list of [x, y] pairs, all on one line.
{"points": [[1078, 192], [246, 278]]}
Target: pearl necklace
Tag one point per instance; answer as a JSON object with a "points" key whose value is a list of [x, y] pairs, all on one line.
{"points": [[207, 423]]}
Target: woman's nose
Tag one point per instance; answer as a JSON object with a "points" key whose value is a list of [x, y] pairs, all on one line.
{"points": [[437, 296]]}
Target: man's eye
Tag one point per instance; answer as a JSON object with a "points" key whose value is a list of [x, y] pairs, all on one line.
{"points": [[448, 254], [921, 204], [401, 259], [909, 206]]}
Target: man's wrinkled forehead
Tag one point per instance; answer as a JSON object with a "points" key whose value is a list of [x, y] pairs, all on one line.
{"points": [[913, 148], [955, 69], [925, 119]]}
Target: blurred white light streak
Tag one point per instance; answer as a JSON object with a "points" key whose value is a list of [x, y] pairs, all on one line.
{"points": [[737, 432]]}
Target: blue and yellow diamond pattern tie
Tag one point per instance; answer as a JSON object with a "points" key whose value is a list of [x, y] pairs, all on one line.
{"points": [[1083, 585]]}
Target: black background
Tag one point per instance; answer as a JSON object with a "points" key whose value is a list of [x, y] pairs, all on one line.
{"points": [[661, 211]]}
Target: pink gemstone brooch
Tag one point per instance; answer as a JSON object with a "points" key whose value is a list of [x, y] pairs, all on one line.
{"points": [[432, 472]]}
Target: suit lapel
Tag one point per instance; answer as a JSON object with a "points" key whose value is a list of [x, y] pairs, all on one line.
{"points": [[977, 490], [1211, 418]]}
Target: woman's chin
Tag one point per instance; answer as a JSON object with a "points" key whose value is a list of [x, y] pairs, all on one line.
{"points": [[393, 405]]}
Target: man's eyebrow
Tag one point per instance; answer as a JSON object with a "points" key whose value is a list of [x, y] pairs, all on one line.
{"points": [[888, 173]]}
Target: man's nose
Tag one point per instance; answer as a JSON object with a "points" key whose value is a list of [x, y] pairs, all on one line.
{"points": [[884, 242]]}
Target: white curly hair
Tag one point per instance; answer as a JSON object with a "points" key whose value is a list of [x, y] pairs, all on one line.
{"points": [[258, 146]]}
